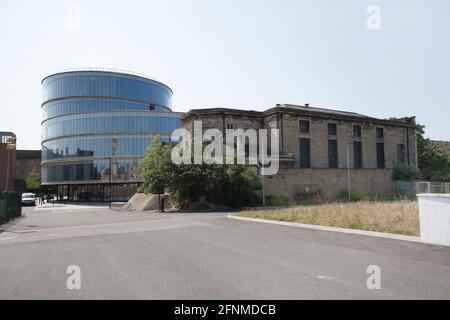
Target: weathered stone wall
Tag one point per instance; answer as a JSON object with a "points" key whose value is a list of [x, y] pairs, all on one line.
{"points": [[318, 135], [369, 180], [328, 182]]}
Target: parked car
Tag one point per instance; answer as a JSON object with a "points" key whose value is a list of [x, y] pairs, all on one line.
{"points": [[28, 199]]}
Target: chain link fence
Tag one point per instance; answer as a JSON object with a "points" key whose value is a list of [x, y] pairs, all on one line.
{"points": [[10, 206]]}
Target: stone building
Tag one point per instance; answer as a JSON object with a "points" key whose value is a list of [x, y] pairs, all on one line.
{"points": [[314, 143]]}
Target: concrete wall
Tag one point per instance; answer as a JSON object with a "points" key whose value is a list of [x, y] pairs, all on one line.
{"points": [[434, 212]]}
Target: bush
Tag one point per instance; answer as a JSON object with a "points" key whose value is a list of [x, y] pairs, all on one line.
{"points": [[306, 198], [232, 185], [405, 172], [10, 206], [279, 201], [354, 195]]}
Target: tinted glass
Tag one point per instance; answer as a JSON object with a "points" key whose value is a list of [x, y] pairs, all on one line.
{"points": [[101, 84], [97, 117]]}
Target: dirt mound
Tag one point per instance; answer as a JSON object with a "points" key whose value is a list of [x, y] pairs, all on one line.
{"points": [[148, 202]]}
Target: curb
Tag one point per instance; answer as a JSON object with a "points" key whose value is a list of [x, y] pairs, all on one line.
{"points": [[332, 229]]}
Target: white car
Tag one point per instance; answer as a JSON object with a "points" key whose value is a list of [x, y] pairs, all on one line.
{"points": [[28, 199]]}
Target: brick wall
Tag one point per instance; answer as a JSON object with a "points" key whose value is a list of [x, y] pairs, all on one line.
{"points": [[26, 160], [6, 170]]}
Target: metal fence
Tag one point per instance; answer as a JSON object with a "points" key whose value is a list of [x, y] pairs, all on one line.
{"points": [[10, 206], [432, 187]]}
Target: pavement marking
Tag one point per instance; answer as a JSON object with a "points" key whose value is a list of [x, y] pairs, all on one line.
{"points": [[8, 238], [325, 277], [107, 229], [333, 229]]}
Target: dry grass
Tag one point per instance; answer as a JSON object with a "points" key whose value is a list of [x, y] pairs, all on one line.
{"points": [[400, 217]]}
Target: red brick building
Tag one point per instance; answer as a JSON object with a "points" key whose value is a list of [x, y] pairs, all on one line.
{"points": [[15, 165], [7, 161]]}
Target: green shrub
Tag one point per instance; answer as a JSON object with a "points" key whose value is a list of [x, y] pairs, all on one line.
{"points": [[354, 195], [10, 206], [305, 198], [279, 201], [405, 172]]}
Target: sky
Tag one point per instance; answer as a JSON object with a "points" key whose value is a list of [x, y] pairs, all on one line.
{"points": [[391, 60]]}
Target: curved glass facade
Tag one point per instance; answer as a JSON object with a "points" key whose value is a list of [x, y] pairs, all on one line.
{"points": [[74, 106], [96, 127]]}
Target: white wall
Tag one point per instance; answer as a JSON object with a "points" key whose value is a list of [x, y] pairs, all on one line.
{"points": [[434, 212]]}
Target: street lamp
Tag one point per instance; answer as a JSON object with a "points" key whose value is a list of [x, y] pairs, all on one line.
{"points": [[113, 154]]}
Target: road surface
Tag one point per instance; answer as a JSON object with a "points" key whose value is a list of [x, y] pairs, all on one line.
{"points": [[206, 256]]}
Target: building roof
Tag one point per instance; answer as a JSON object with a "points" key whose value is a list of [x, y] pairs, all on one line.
{"points": [[108, 71], [305, 110]]}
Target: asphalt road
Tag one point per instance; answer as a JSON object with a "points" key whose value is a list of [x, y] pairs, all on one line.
{"points": [[206, 256]]}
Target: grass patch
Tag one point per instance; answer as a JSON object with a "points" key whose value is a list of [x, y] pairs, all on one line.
{"points": [[400, 217]]}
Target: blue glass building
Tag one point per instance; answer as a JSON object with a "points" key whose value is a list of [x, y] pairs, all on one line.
{"points": [[96, 127]]}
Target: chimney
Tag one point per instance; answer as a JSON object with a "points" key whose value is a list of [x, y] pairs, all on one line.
{"points": [[307, 105]]}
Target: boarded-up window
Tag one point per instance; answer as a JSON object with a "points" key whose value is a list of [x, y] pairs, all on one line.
{"points": [[332, 129], [379, 133], [380, 155], [357, 154], [332, 154], [401, 153], [303, 126], [357, 131], [305, 153]]}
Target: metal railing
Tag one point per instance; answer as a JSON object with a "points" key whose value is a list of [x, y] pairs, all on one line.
{"points": [[432, 187]]}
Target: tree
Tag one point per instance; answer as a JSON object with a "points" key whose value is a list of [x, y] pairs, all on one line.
{"points": [[231, 185], [154, 167], [434, 164], [33, 180]]}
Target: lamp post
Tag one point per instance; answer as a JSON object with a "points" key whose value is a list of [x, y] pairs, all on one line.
{"points": [[262, 173], [110, 182], [113, 154]]}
